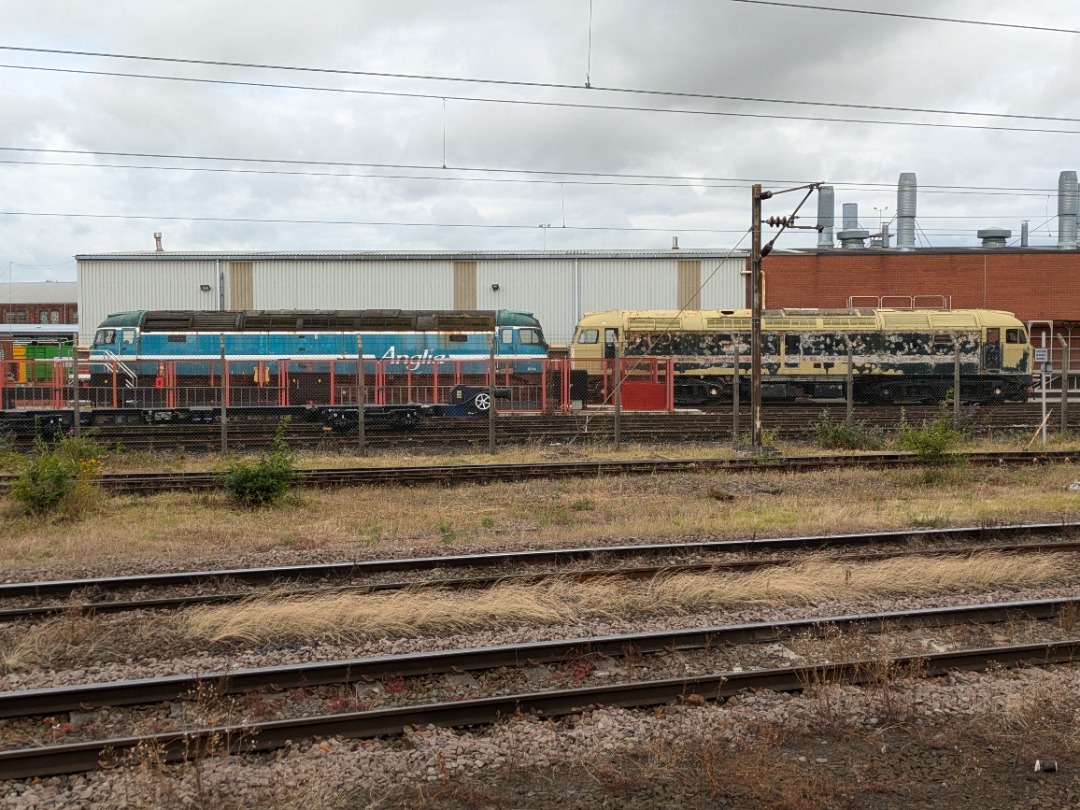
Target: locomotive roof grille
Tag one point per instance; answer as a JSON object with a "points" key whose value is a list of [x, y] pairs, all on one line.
{"points": [[370, 320]]}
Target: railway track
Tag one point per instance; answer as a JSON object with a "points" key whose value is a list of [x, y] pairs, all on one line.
{"points": [[551, 702], [144, 483], [510, 563], [714, 425], [101, 606]]}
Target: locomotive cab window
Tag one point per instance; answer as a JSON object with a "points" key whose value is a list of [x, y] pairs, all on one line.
{"points": [[128, 336], [588, 336], [530, 337], [506, 336], [105, 336], [1015, 336]]}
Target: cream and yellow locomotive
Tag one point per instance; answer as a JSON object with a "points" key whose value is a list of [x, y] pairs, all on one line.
{"points": [[888, 355]]}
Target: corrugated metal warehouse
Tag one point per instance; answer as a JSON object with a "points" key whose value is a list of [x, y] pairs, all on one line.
{"points": [[556, 286]]}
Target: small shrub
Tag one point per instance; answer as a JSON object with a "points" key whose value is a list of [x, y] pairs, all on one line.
{"points": [[263, 482], [931, 442], [831, 435], [64, 477]]}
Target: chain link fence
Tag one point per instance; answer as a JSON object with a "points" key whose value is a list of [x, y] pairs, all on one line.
{"points": [[237, 397]]}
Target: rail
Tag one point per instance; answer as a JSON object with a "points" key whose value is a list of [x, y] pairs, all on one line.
{"points": [[270, 735]]}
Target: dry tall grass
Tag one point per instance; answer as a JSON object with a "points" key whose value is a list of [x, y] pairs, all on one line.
{"points": [[348, 617], [384, 522], [343, 617]]}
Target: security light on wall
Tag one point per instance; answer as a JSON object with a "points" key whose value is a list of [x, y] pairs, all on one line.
{"points": [[495, 287], [204, 287]]}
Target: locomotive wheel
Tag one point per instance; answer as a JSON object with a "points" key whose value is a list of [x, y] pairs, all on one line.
{"points": [[482, 401]]}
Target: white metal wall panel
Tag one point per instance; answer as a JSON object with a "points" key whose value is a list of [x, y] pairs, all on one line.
{"points": [[629, 284], [723, 285], [542, 287], [120, 286], [558, 289], [353, 285]]}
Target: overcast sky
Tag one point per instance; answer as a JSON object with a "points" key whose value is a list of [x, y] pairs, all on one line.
{"points": [[519, 124]]}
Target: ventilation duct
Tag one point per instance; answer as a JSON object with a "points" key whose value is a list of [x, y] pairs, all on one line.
{"points": [[1068, 207], [826, 216], [905, 211], [994, 237], [1024, 233], [851, 216], [852, 237]]}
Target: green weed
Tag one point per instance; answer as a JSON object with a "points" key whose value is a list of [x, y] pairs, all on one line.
{"points": [[263, 482]]}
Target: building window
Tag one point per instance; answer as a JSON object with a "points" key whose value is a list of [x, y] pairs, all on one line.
{"points": [[54, 316], [20, 317], [43, 316]]}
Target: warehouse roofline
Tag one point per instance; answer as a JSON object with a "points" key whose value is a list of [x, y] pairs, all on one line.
{"points": [[410, 255], [925, 251]]}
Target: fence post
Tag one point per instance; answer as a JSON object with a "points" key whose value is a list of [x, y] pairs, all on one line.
{"points": [[617, 391], [224, 383], [361, 395], [77, 391], [850, 394], [735, 395], [491, 396], [956, 382], [1065, 359]]}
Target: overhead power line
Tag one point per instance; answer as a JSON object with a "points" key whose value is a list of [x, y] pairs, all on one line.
{"points": [[923, 17], [372, 223], [442, 97], [678, 229], [592, 88], [547, 176]]}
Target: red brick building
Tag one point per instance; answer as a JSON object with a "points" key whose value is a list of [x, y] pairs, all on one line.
{"points": [[1037, 284], [39, 302]]}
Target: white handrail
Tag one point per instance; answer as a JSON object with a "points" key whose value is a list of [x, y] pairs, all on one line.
{"points": [[132, 377]]}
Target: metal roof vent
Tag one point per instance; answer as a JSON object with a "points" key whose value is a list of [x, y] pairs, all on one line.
{"points": [[994, 237], [826, 216], [1068, 207], [851, 216], [905, 211], [157, 243], [852, 237]]}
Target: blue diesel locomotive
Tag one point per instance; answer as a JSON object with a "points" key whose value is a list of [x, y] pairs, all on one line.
{"points": [[406, 340]]}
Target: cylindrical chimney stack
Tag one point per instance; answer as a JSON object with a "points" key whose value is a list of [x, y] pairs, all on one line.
{"points": [[826, 216], [852, 237], [1068, 208], [157, 243], [905, 211]]}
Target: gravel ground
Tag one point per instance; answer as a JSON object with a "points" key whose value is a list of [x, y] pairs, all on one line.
{"points": [[971, 738], [921, 744], [967, 740]]}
